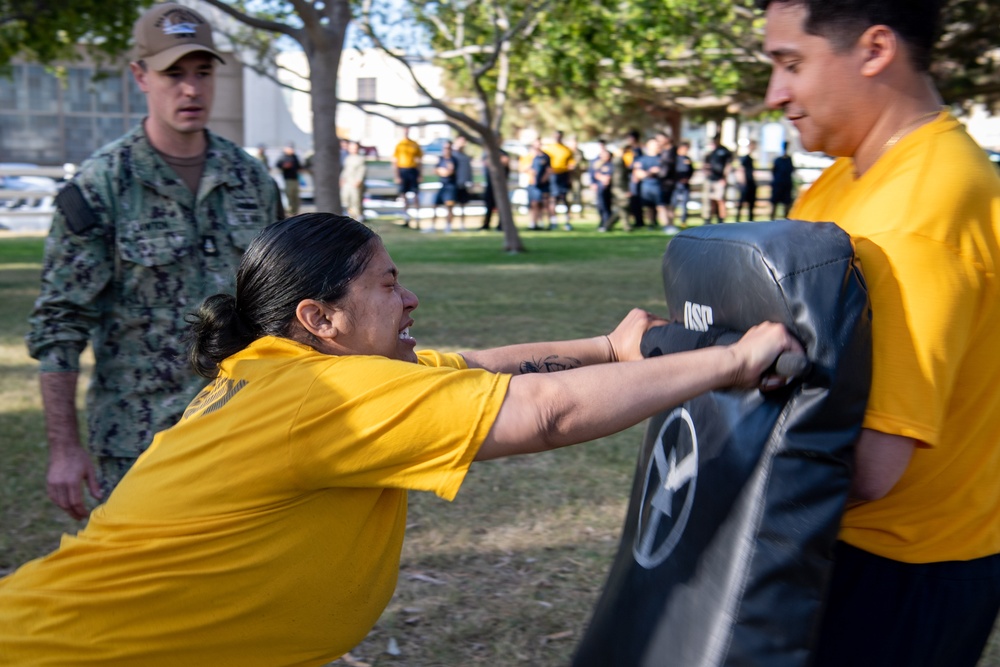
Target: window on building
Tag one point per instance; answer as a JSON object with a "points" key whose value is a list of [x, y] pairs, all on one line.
{"points": [[45, 122], [366, 89], [135, 98], [109, 92], [43, 90], [78, 94]]}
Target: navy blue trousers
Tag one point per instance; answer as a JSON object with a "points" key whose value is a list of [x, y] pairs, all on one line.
{"points": [[884, 613]]}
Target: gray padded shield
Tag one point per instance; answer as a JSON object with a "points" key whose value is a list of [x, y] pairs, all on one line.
{"points": [[737, 497]]}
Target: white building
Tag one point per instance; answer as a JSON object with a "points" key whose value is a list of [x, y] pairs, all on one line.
{"points": [[276, 116], [269, 119], [983, 127]]}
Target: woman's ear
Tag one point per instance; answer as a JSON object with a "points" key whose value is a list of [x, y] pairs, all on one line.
{"points": [[320, 319]]}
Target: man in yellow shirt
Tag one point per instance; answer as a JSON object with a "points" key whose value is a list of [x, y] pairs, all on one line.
{"points": [[406, 167], [916, 578], [561, 158]]}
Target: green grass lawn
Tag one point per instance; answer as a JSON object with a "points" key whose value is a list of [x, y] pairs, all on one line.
{"points": [[508, 573]]}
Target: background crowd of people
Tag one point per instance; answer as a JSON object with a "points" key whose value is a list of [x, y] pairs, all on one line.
{"points": [[632, 182], [644, 184], [639, 183]]}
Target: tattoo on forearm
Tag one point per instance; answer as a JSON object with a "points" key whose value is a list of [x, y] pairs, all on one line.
{"points": [[549, 364]]}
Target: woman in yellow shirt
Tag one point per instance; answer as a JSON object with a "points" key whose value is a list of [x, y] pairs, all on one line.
{"points": [[265, 528]]}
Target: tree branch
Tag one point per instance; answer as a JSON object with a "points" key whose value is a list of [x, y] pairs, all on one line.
{"points": [[255, 22], [365, 24], [421, 123], [525, 26], [441, 27], [432, 103], [464, 51], [273, 77]]}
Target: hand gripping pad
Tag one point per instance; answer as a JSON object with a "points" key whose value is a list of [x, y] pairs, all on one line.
{"points": [[737, 498]]}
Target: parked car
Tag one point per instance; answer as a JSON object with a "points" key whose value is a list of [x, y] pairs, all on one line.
{"points": [[24, 189], [434, 147], [514, 147]]}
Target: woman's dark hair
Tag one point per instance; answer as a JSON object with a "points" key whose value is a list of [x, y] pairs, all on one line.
{"points": [[843, 22], [308, 256]]}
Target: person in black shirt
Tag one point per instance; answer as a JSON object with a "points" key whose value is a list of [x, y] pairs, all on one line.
{"points": [[683, 171], [782, 172], [748, 184], [717, 166], [463, 176], [489, 195], [289, 165], [626, 193]]}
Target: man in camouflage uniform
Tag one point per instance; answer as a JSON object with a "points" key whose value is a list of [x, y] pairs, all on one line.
{"points": [[152, 224]]}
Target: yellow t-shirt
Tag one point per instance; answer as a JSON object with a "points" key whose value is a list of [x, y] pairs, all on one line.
{"points": [[926, 222], [263, 529], [628, 156], [407, 154], [561, 157]]}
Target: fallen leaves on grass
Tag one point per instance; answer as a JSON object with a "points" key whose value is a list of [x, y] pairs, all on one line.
{"points": [[426, 578], [565, 634]]}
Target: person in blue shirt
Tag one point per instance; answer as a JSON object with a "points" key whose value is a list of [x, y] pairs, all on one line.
{"points": [[446, 171], [463, 176], [646, 172], [539, 171], [602, 171]]}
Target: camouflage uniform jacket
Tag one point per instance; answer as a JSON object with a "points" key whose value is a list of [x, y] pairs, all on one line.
{"points": [[130, 253]]}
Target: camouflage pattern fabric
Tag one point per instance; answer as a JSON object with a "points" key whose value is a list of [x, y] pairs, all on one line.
{"points": [[123, 271], [111, 469], [621, 203]]}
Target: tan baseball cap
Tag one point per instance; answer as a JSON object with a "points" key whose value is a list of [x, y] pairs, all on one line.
{"points": [[167, 32]]}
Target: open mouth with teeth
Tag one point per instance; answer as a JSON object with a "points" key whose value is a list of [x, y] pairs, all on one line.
{"points": [[405, 334]]}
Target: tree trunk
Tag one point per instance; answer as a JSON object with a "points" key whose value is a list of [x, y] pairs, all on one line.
{"points": [[324, 64], [511, 238]]}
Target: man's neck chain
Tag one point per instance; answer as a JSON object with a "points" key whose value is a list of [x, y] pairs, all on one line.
{"points": [[902, 132]]}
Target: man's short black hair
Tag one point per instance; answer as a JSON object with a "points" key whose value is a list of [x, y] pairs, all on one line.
{"points": [[843, 21]]}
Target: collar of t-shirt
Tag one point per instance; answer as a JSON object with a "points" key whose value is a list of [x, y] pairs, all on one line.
{"points": [[189, 169]]}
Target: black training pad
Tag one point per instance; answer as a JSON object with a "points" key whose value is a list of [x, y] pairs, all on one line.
{"points": [[737, 497]]}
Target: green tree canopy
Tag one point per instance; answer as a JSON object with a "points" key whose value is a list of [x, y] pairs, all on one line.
{"points": [[48, 31], [603, 65], [966, 66]]}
